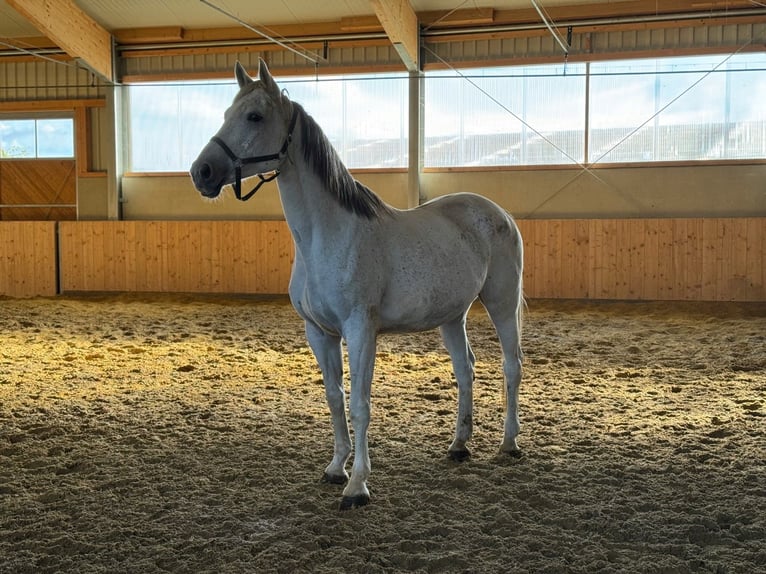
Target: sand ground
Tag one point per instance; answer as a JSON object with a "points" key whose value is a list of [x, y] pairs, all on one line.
{"points": [[189, 434]]}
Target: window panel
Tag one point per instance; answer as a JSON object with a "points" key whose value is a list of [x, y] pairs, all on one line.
{"points": [[365, 119], [55, 138], [678, 109], [170, 124], [17, 138], [531, 115], [37, 138]]}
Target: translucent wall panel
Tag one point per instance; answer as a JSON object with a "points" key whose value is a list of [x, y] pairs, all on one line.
{"points": [[531, 115], [676, 109], [365, 118]]}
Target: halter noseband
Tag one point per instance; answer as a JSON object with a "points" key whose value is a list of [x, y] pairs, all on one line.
{"points": [[240, 161]]}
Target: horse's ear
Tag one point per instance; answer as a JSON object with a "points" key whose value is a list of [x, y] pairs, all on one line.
{"points": [[241, 74], [265, 77]]}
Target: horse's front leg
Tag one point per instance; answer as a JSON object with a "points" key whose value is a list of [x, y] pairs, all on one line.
{"points": [[361, 342], [327, 350]]}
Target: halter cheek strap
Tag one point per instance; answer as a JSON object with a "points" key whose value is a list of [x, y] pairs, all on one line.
{"points": [[240, 161]]}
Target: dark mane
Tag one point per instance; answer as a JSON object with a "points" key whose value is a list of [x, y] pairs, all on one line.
{"points": [[324, 160]]}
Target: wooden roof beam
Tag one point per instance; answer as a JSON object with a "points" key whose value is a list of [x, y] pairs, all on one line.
{"points": [[401, 25], [71, 29]]}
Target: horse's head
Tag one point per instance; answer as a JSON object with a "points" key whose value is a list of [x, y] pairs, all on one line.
{"points": [[248, 143]]}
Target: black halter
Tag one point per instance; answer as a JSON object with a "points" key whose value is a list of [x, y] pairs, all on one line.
{"points": [[240, 161]]}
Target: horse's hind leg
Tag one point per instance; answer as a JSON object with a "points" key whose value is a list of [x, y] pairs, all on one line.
{"points": [[456, 342], [505, 313], [327, 350]]}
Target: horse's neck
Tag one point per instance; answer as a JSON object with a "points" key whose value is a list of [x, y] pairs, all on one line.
{"points": [[312, 213]]}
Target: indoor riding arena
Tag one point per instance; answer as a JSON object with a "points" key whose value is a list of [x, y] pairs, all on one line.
{"points": [[161, 408]]}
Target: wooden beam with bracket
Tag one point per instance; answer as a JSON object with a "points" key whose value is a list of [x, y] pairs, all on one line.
{"points": [[71, 29], [401, 25]]}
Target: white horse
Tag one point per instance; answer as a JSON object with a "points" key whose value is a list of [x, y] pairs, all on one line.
{"points": [[363, 267]]}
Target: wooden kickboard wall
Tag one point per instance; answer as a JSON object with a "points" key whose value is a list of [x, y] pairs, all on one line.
{"points": [[175, 256], [28, 258], [649, 259]]}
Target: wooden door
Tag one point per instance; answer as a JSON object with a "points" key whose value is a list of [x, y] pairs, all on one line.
{"points": [[38, 190]]}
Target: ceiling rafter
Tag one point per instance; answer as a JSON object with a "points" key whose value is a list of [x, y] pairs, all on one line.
{"points": [[401, 26], [73, 30]]}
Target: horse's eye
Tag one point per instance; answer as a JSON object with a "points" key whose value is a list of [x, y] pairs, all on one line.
{"points": [[254, 117]]}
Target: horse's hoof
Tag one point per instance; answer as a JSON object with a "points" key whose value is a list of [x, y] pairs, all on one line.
{"points": [[334, 479], [461, 455], [349, 502], [515, 453]]}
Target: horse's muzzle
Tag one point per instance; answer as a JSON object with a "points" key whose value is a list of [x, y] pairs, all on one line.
{"points": [[205, 178]]}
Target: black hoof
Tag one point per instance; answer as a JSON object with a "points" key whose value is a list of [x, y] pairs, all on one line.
{"points": [[349, 502], [334, 479], [460, 455]]}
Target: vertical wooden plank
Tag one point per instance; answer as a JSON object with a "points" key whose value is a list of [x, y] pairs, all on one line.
{"points": [[620, 245], [5, 263], [217, 245], [583, 258], [693, 272], [192, 240], [552, 258], [201, 272], [240, 262], [638, 262], [680, 258], [129, 255], [67, 256], [20, 275], [137, 253], [543, 266], [738, 284], [225, 252], [155, 241], [724, 260], [266, 262], [594, 256], [685, 255], [711, 247], [665, 259], [649, 253], [121, 242], [609, 255], [568, 280], [91, 266], [113, 279]]}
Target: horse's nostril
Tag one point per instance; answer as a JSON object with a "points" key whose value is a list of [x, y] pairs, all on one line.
{"points": [[205, 171]]}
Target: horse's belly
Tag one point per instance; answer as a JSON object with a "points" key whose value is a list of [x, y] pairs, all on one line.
{"points": [[427, 307]]}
